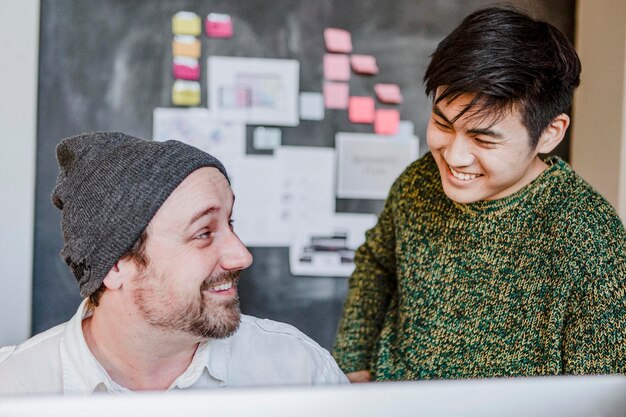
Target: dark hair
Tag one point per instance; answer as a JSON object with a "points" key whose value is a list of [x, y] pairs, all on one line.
{"points": [[136, 253], [509, 61]]}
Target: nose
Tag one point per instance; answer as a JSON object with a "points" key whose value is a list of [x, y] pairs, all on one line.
{"points": [[235, 255], [458, 153]]}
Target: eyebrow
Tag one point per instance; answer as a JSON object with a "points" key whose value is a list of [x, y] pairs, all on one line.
{"points": [[477, 131], [487, 132], [206, 212], [439, 113]]}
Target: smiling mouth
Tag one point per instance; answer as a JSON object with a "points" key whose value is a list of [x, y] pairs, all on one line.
{"points": [[461, 176], [221, 283], [220, 287]]}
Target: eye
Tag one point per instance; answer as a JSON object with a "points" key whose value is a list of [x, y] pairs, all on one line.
{"points": [[484, 143], [442, 126], [203, 235]]}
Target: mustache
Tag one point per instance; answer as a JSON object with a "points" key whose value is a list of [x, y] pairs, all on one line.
{"points": [[219, 278]]}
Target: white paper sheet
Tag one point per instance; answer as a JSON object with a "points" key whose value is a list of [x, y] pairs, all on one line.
{"points": [[254, 90], [330, 252], [311, 106], [368, 164], [281, 196], [224, 140], [266, 138], [307, 187], [406, 130], [257, 211]]}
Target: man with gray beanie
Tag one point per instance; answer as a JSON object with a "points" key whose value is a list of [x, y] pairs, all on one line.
{"points": [[148, 234]]}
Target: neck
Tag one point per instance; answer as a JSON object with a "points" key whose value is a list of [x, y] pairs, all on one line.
{"points": [[136, 355]]}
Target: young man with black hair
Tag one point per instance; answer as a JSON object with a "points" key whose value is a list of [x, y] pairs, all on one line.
{"points": [[488, 261]]}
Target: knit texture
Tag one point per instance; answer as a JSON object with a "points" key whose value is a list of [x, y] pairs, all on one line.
{"points": [[109, 187], [531, 284]]}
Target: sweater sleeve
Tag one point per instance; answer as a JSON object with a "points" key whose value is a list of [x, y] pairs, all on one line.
{"points": [[594, 333], [371, 287]]}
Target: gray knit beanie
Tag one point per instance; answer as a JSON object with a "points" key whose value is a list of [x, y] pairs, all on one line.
{"points": [[109, 187]]}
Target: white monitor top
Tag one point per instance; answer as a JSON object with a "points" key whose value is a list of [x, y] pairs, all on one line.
{"points": [[589, 396]]}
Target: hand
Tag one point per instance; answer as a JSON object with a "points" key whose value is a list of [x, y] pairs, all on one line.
{"points": [[359, 376]]}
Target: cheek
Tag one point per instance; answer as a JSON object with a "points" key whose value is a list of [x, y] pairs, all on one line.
{"points": [[435, 138], [200, 263]]}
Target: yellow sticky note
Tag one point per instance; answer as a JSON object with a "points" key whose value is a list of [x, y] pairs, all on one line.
{"points": [[186, 45], [186, 23], [186, 93]]}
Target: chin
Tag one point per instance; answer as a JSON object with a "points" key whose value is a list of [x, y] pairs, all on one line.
{"points": [[460, 197]]}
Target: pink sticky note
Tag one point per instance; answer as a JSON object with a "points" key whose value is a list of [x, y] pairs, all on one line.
{"points": [[386, 122], [361, 110], [186, 68], [364, 64], [388, 93], [338, 40], [218, 25], [336, 67], [336, 95]]}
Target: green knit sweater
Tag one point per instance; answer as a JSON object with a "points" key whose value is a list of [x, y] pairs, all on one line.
{"points": [[531, 284]]}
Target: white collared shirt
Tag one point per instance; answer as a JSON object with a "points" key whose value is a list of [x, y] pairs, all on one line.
{"points": [[261, 353]]}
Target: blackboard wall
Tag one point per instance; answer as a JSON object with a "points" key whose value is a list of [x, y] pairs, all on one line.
{"points": [[106, 64]]}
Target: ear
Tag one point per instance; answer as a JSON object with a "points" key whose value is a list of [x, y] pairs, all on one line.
{"points": [[553, 134], [122, 271]]}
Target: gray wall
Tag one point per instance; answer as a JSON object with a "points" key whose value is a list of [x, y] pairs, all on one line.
{"points": [[106, 65], [19, 28]]}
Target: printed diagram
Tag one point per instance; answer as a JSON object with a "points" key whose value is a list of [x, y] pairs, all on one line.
{"points": [[254, 90], [334, 246]]}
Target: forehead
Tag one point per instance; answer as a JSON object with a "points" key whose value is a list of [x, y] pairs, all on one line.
{"points": [[202, 189], [465, 111]]}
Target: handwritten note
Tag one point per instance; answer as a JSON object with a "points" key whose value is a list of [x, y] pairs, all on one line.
{"points": [[386, 121], [388, 93], [336, 67], [364, 64], [361, 110], [336, 95], [186, 23], [338, 40]]}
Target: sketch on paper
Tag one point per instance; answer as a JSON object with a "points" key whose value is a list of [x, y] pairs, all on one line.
{"points": [[197, 127], [330, 252], [254, 90]]}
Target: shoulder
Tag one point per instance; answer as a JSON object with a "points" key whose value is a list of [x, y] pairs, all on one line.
{"points": [[285, 351], [587, 235], [275, 332], [583, 213], [33, 366]]}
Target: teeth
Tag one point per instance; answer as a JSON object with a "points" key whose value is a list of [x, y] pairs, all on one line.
{"points": [[461, 176], [221, 287]]}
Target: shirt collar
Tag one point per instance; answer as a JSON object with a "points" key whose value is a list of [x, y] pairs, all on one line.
{"points": [[82, 373], [211, 357]]}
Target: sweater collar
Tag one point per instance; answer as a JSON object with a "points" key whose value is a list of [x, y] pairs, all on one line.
{"points": [[555, 165]]}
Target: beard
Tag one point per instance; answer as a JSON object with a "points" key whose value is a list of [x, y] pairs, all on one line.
{"points": [[202, 316]]}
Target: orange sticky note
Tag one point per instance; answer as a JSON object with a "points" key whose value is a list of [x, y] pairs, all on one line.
{"points": [[361, 110], [336, 67], [386, 121], [388, 93], [186, 45], [338, 40], [364, 64], [336, 95]]}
